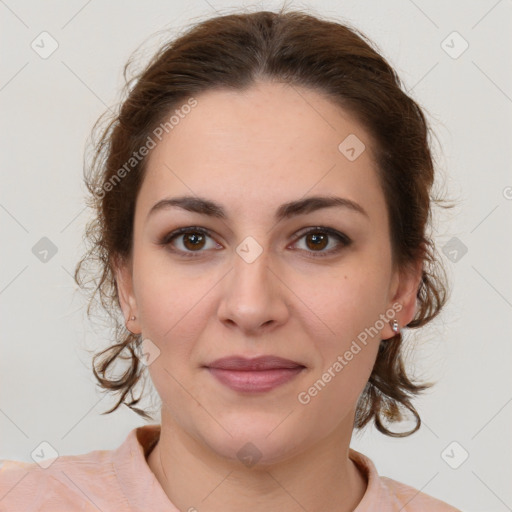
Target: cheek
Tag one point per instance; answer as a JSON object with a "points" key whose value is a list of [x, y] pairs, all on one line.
{"points": [[331, 398], [171, 301], [344, 325], [348, 347], [346, 306]]}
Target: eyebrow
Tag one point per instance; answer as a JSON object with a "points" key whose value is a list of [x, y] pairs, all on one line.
{"points": [[210, 208]]}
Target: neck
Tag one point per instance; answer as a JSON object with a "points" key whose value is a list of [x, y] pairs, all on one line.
{"points": [[194, 477]]}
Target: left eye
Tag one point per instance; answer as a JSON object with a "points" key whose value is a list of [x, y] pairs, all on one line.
{"points": [[193, 239], [318, 238]]}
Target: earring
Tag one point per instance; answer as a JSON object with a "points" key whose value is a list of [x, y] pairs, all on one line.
{"points": [[131, 318], [395, 326]]}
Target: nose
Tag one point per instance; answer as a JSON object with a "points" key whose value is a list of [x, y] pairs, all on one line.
{"points": [[253, 296]]}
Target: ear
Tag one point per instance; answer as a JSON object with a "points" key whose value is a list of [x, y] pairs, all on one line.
{"points": [[403, 292], [124, 282]]}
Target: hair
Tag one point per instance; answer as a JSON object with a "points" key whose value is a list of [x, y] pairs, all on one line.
{"points": [[234, 51]]}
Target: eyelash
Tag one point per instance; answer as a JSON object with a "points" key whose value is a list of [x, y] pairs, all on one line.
{"points": [[344, 239]]}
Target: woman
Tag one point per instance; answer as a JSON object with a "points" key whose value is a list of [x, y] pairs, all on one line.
{"points": [[262, 201]]}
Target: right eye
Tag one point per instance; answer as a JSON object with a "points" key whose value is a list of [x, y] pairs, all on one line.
{"points": [[192, 239]]}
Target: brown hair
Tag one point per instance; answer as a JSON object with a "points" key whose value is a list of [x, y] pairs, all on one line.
{"points": [[233, 51]]}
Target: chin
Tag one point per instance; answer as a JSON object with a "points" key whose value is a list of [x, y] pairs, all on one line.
{"points": [[261, 442]]}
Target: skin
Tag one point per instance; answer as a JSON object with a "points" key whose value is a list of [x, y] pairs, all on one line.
{"points": [[251, 151]]}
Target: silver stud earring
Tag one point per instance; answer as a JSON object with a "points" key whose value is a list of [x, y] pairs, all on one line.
{"points": [[395, 326], [132, 318]]}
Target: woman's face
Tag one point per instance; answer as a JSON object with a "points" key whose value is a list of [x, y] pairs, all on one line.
{"points": [[256, 283]]}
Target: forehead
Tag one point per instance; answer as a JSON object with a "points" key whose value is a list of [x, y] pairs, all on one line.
{"points": [[261, 147]]}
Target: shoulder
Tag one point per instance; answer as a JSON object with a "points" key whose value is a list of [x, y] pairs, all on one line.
{"points": [[411, 499], [70, 482], [384, 494], [106, 480]]}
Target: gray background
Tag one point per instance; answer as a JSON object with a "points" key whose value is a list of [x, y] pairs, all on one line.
{"points": [[49, 105]]}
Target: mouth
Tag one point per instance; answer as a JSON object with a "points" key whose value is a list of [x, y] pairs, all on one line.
{"points": [[254, 375]]}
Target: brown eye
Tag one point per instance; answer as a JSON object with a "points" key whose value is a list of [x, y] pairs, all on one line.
{"points": [[193, 240], [189, 241], [318, 238]]}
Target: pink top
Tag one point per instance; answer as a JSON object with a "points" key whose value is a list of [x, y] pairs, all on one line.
{"points": [[121, 480]]}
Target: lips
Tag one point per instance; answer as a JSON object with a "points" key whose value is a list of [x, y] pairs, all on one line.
{"points": [[238, 363], [257, 375]]}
